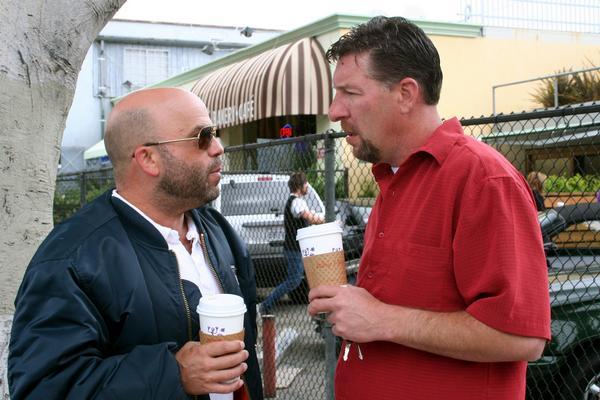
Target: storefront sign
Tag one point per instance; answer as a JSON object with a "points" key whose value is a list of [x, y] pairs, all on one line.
{"points": [[234, 115]]}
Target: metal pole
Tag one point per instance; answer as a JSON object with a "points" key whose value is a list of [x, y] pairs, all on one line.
{"points": [[555, 83], [329, 177], [330, 356], [82, 189], [493, 100], [269, 362], [330, 360]]}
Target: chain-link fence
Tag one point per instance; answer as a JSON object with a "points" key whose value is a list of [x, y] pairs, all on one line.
{"points": [[74, 190], [558, 150]]}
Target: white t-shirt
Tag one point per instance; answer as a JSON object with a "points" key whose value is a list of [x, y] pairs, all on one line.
{"points": [[298, 206], [192, 267]]}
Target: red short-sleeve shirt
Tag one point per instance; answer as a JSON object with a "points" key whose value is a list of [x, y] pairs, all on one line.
{"points": [[454, 229]]}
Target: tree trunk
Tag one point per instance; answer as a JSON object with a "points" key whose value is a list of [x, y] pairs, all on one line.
{"points": [[43, 46]]}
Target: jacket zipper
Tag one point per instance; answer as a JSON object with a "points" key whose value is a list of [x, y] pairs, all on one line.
{"points": [[186, 305], [210, 266]]}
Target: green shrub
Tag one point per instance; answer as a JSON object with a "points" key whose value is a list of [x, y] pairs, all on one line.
{"points": [[576, 183], [575, 88], [66, 203], [317, 181], [368, 189]]}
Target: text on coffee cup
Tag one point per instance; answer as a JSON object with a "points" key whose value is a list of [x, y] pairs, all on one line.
{"points": [[310, 251]]}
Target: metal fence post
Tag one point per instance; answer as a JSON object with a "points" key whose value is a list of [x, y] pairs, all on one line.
{"points": [[269, 359], [329, 177], [555, 84], [330, 356], [83, 190]]}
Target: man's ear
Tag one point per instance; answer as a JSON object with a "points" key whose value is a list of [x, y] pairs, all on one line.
{"points": [[407, 93], [147, 160]]}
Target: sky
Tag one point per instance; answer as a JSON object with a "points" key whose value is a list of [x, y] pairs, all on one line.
{"points": [[281, 14]]}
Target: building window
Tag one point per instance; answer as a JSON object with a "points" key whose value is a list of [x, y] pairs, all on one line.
{"points": [[144, 66]]}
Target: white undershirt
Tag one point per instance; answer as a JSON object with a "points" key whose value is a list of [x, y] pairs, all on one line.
{"points": [[298, 206], [192, 267]]}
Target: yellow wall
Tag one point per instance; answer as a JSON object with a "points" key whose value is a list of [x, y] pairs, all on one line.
{"points": [[471, 66]]}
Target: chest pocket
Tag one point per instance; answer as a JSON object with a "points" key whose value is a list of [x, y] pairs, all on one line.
{"points": [[420, 276]]}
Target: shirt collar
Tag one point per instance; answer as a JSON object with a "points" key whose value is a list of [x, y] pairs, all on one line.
{"points": [[441, 140], [171, 236], [438, 145]]}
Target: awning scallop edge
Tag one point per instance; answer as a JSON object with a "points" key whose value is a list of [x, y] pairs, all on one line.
{"points": [[294, 79]]}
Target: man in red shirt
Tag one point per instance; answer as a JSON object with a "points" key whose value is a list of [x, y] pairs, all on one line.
{"points": [[452, 293]]}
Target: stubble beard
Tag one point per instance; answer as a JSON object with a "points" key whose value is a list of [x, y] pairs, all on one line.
{"points": [[187, 183], [367, 151]]}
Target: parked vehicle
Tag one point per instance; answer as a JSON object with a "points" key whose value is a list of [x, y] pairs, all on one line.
{"points": [[254, 205], [570, 366]]}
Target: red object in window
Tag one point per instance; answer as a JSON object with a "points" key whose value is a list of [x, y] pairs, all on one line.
{"points": [[285, 131]]}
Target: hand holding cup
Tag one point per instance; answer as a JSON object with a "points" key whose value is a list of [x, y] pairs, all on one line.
{"points": [[213, 367], [215, 364]]}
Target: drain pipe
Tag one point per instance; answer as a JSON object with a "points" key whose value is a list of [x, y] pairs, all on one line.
{"points": [[102, 88]]}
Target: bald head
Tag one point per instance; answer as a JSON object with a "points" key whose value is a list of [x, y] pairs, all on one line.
{"points": [[141, 117]]}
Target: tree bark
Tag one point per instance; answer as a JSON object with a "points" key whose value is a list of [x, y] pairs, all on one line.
{"points": [[43, 46]]}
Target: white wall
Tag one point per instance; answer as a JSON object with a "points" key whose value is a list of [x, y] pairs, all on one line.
{"points": [[83, 122]]}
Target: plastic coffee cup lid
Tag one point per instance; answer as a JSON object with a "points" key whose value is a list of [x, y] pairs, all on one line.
{"points": [[221, 305], [319, 230]]}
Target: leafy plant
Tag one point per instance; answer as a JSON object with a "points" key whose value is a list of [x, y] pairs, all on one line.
{"points": [[576, 183], [574, 88], [67, 202], [317, 181], [368, 188]]}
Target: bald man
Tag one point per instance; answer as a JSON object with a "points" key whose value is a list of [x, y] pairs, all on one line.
{"points": [[107, 307]]}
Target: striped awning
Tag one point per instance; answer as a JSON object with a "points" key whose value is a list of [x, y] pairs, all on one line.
{"points": [[293, 79]]}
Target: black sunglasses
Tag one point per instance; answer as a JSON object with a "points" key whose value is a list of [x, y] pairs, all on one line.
{"points": [[204, 138]]}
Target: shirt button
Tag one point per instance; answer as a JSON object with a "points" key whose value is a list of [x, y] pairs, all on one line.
{"points": [[381, 235], [370, 275]]}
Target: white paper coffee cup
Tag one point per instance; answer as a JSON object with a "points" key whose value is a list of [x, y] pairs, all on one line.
{"points": [[221, 317], [322, 254], [320, 239]]}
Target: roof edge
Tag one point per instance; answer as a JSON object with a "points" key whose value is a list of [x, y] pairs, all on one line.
{"points": [[319, 27]]}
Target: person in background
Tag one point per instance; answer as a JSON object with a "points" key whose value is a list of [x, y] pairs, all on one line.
{"points": [[452, 293], [296, 215], [536, 181], [107, 306]]}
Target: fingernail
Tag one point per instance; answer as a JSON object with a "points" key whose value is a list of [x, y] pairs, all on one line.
{"points": [[243, 344]]}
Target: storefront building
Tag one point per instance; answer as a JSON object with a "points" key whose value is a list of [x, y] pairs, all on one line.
{"points": [[286, 81]]}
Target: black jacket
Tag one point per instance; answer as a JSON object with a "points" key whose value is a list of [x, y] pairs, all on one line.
{"points": [[101, 311]]}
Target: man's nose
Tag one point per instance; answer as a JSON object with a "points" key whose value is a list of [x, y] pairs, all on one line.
{"points": [[216, 147], [337, 111]]}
